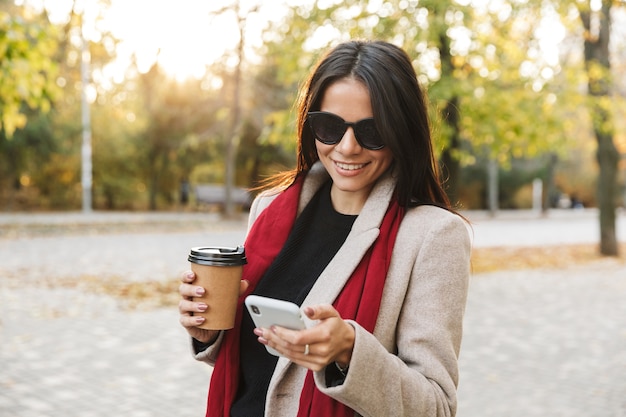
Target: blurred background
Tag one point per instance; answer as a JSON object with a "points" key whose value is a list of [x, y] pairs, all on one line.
{"points": [[132, 130], [131, 105]]}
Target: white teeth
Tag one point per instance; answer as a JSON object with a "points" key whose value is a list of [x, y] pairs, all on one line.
{"points": [[349, 167]]}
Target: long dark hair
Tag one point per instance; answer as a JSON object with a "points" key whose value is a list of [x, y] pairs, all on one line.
{"points": [[399, 108]]}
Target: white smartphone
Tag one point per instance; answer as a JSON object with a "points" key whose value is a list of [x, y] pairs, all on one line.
{"points": [[266, 312]]}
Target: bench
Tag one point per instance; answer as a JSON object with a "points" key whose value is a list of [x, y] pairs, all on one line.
{"points": [[215, 194]]}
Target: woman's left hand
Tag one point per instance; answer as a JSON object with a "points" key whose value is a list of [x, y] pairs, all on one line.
{"points": [[331, 340]]}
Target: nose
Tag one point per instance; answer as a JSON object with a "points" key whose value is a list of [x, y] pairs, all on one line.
{"points": [[348, 143]]}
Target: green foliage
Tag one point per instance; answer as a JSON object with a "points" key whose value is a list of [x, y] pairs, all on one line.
{"points": [[115, 128], [26, 68], [514, 183], [150, 133], [183, 127], [502, 112]]}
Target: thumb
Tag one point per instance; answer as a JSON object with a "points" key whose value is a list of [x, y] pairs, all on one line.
{"points": [[243, 286], [320, 312]]}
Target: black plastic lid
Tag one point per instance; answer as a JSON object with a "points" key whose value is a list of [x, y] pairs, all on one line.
{"points": [[218, 256]]}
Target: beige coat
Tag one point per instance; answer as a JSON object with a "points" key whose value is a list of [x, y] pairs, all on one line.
{"points": [[408, 366]]}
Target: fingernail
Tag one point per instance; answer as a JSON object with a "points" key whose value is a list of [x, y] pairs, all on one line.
{"points": [[273, 329], [199, 291], [190, 274], [199, 320], [258, 332], [202, 307]]}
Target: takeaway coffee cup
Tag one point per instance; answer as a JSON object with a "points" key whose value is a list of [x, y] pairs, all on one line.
{"points": [[218, 270]]}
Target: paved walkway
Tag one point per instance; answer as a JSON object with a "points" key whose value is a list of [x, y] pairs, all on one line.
{"points": [[537, 343], [546, 343]]}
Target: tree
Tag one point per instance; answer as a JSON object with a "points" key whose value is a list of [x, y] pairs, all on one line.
{"points": [[27, 70], [28, 42], [597, 24], [470, 58], [235, 127], [176, 115]]}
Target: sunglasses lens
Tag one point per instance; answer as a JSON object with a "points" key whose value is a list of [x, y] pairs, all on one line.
{"points": [[367, 134], [328, 129]]}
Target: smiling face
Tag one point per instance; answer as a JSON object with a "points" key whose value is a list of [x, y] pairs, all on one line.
{"points": [[353, 169]]}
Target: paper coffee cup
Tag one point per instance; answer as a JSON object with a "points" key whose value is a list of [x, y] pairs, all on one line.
{"points": [[218, 270]]}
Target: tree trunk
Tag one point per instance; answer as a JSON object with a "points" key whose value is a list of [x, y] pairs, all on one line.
{"points": [[597, 33], [549, 186], [451, 165]]}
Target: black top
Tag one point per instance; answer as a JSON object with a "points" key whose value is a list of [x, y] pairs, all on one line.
{"points": [[317, 235]]}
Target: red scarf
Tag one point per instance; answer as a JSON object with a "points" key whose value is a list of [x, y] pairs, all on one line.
{"points": [[365, 287]]}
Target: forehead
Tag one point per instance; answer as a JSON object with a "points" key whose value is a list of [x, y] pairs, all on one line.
{"points": [[347, 98]]}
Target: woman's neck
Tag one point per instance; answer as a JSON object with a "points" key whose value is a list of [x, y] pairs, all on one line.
{"points": [[348, 202]]}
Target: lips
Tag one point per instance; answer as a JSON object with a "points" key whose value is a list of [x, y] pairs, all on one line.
{"points": [[349, 167]]}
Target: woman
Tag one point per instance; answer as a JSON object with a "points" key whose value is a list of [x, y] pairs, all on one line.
{"points": [[361, 235]]}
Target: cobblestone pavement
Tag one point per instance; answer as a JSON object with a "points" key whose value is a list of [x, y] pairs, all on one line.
{"points": [[537, 342], [546, 343]]}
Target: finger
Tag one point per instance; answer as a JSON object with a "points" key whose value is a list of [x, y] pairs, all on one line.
{"points": [[285, 348], [290, 342], [297, 353], [189, 291], [305, 355], [186, 307], [309, 362], [189, 321], [271, 339], [188, 277]]}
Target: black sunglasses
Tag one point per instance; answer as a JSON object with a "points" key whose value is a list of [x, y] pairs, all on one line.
{"points": [[329, 129]]}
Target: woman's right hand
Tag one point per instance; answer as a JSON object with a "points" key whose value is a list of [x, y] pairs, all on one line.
{"points": [[187, 308]]}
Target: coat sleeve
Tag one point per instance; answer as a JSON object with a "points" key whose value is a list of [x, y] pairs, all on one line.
{"points": [[416, 374], [209, 353]]}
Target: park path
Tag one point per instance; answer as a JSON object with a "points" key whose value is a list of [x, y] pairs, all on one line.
{"points": [[537, 342]]}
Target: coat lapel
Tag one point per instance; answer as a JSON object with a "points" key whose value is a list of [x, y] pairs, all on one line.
{"points": [[363, 234], [332, 280]]}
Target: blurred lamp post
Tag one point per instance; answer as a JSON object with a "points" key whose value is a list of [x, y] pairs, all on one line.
{"points": [[492, 186], [86, 169]]}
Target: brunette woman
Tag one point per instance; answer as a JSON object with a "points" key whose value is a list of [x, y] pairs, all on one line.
{"points": [[362, 236]]}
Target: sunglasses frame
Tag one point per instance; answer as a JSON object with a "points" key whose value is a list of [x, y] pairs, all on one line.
{"points": [[314, 114]]}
